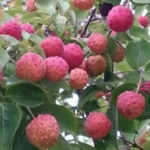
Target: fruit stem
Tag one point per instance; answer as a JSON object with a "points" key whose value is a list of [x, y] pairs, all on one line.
{"points": [[29, 110], [138, 87]]}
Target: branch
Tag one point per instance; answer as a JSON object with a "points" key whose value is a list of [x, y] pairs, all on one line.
{"points": [[132, 144], [86, 27]]}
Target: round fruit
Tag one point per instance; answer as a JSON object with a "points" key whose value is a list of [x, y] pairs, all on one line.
{"points": [[99, 94], [97, 43], [78, 78], [43, 131], [73, 55], [95, 65], [145, 87], [143, 21], [83, 4], [30, 5], [11, 28], [28, 28], [119, 54], [97, 125], [130, 104], [83, 65], [52, 46], [56, 68], [120, 18], [30, 66]]}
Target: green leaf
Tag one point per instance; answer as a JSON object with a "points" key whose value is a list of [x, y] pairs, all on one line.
{"points": [[111, 47], [146, 73], [4, 58], [9, 69], [137, 53], [84, 146], [141, 2], [10, 118], [35, 38], [86, 95], [20, 140], [64, 5], [61, 144], [26, 94], [64, 116]]}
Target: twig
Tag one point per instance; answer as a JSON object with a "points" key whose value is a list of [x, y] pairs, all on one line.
{"points": [[86, 27], [139, 84], [125, 142], [29, 110], [132, 144]]}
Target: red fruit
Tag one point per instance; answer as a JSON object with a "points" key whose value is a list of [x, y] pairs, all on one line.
{"points": [[30, 5], [95, 65], [52, 46], [119, 54], [73, 55], [97, 125], [97, 43], [83, 65], [11, 28], [30, 66], [78, 78], [143, 21], [99, 95], [28, 28], [120, 18], [1, 76], [56, 68], [130, 104], [145, 87], [43, 131], [83, 4], [113, 34]]}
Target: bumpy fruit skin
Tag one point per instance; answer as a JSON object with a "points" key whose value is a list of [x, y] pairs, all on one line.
{"points": [[130, 104], [30, 5], [73, 55], [43, 131], [56, 68], [52, 46], [78, 78], [119, 54], [99, 94], [97, 125], [145, 87], [143, 21], [83, 65], [28, 28], [97, 43], [11, 28], [120, 18], [95, 65], [83, 4], [31, 66]]}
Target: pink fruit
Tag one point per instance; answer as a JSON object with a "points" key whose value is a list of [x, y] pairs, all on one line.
{"points": [[56, 68], [97, 43], [119, 54], [145, 87], [30, 5], [1, 76], [143, 21], [52, 46], [78, 78], [130, 104], [97, 125], [30, 66], [120, 18], [83, 65], [28, 28], [11, 28], [73, 55], [43, 131], [83, 4], [95, 65]]}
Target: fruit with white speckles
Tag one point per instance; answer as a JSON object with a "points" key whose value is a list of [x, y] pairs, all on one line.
{"points": [[43, 131], [30, 66], [56, 68]]}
